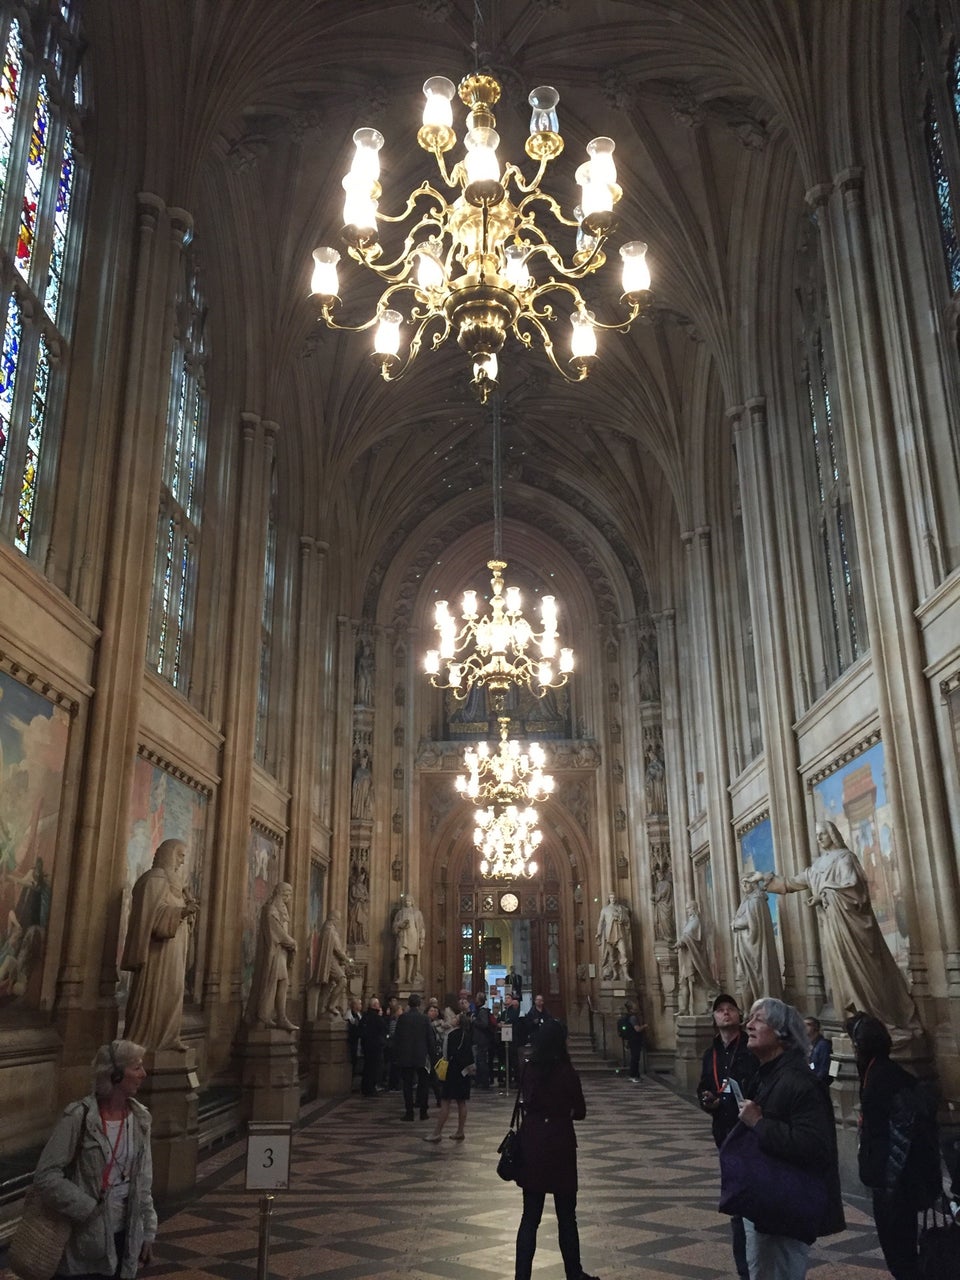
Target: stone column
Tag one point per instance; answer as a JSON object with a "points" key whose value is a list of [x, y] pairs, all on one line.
{"points": [[765, 573], [913, 765], [228, 878], [703, 628], [343, 758], [306, 699], [86, 1008]]}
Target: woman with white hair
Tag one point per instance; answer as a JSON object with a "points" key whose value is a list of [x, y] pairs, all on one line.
{"points": [[97, 1171], [789, 1110]]}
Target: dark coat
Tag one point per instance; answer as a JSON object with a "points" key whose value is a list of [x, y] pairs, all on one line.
{"points": [[725, 1062], [552, 1100], [373, 1032], [413, 1040], [798, 1126], [899, 1152], [459, 1054]]}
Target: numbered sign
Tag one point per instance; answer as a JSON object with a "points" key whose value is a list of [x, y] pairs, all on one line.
{"points": [[268, 1156], [506, 1032]]}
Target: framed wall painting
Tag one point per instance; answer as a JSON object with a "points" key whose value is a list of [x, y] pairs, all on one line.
{"points": [[756, 854], [315, 915], [854, 797], [34, 733]]}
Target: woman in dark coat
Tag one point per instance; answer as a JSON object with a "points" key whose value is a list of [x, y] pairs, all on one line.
{"points": [[552, 1099], [458, 1051]]}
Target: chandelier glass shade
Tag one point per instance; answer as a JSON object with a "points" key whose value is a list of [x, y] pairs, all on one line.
{"points": [[480, 266], [506, 839], [497, 649], [507, 775]]}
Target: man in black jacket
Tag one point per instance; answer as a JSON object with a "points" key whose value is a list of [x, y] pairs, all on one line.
{"points": [[373, 1036], [413, 1050], [728, 1058]]}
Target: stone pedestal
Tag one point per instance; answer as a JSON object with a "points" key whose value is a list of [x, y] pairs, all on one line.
{"points": [[269, 1075], [170, 1094], [330, 1071], [694, 1034], [666, 958]]}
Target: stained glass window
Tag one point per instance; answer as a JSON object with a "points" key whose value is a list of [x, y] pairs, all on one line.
{"points": [[39, 243], [178, 522]]}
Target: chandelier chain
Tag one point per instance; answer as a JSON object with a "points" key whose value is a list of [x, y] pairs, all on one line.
{"points": [[497, 478]]}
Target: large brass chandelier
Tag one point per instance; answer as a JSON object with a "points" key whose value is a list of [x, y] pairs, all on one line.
{"points": [[506, 776], [506, 839], [479, 266], [499, 649]]}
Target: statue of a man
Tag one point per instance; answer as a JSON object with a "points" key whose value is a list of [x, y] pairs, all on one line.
{"points": [[692, 960], [664, 925], [656, 781], [861, 972], [333, 968], [361, 791], [358, 896], [614, 940], [155, 951], [409, 931], [267, 1005], [754, 946], [363, 686]]}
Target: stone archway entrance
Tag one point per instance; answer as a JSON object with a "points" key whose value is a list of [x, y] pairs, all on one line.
{"points": [[500, 927]]}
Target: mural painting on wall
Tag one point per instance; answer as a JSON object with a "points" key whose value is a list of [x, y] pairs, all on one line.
{"points": [[703, 877], [756, 854], [33, 749], [530, 716], [263, 872], [315, 914], [855, 799], [162, 808]]}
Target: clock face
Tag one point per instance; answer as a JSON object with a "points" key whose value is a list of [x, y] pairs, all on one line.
{"points": [[509, 902]]}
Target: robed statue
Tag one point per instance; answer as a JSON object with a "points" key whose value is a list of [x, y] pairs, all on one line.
{"points": [[410, 932], [332, 971], [276, 947]]}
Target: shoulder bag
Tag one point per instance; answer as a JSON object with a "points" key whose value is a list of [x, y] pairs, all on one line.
{"points": [[42, 1234], [778, 1197], [510, 1164]]}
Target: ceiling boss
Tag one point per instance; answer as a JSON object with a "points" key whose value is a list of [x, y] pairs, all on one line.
{"points": [[480, 266]]}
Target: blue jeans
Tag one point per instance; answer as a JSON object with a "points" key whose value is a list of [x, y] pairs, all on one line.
{"points": [[774, 1257]]}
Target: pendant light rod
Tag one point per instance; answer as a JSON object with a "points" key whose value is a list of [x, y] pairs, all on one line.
{"points": [[497, 478]]}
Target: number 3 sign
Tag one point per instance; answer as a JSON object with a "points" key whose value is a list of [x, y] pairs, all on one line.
{"points": [[268, 1156]]}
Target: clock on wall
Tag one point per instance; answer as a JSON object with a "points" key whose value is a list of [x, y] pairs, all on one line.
{"points": [[509, 902]]}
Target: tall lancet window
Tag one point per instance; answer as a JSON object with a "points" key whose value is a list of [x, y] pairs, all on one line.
{"points": [[40, 232], [266, 625], [835, 560], [172, 615], [937, 71]]}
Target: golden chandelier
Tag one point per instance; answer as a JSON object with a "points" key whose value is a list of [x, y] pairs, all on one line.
{"points": [[479, 266], [509, 775]]}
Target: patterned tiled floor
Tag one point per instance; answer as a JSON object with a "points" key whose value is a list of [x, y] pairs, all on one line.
{"points": [[371, 1199]]}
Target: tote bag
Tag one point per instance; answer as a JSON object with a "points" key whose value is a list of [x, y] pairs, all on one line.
{"points": [[777, 1197]]}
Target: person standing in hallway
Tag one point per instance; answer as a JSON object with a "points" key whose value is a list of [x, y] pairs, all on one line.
{"points": [[728, 1058], [413, 1046], [373, 1036], [552, 1098], [458, 1051], [820, 1050], [790, 1110]]}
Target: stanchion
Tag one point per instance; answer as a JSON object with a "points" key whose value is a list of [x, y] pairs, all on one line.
{"points": [[263, 1250]]}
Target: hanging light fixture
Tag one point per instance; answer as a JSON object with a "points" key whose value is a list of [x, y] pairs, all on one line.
{"points": [[506, 839], [501, 648], [480, 267], [507, 775]]}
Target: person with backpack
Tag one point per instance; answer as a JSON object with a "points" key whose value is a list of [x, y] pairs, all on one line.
{"points": [[632, 1032], [898, 1152]]}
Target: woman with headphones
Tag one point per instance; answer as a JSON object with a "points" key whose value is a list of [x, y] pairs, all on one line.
{"points": [[97, 1172]]}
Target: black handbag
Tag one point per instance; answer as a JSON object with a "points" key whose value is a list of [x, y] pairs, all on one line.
{"points": [[939, 1243], [510, 1164]]}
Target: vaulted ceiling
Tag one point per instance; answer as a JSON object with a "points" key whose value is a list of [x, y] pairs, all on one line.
{"points": [[717, 109]]}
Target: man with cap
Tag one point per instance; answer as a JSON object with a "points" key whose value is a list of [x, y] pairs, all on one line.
{"points": [[728, 1058]]}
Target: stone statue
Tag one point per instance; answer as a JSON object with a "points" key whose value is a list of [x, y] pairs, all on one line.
{"points": [[363, 680], [664, 924], [267, 1003], [692, 960], [861, 972], [409, 931], [155, 951], [358, 916], [754, 947], [614, 940], [656, 782], [332, 971], [648, 672], [361, 792]]}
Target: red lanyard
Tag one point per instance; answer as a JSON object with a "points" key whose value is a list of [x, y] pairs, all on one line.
{"points": [[105, 1176], [716, 1074]]}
